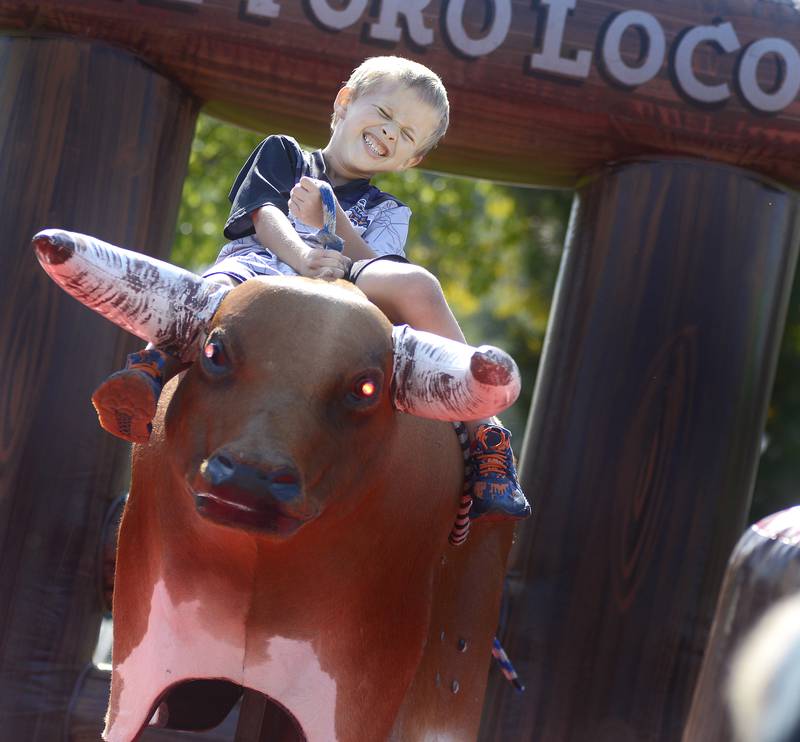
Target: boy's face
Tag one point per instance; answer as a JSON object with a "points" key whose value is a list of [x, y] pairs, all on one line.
{"points": [[380, 131]]}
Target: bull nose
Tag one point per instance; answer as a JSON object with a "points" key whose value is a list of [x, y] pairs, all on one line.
{"points": [[279, 483]]}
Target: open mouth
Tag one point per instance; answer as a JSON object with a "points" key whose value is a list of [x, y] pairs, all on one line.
{"points": [[231, 506], [375, 146], [268, 499]]}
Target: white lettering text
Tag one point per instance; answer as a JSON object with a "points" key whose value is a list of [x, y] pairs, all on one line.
{"points": [[498, 28], [654, 48], [388, 29], [753, 93], [334, 19], [726, 38], [550, 59], [262, 8]]}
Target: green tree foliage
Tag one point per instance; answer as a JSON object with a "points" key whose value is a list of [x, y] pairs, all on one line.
{"points": [[218, 151], [496, 251]]}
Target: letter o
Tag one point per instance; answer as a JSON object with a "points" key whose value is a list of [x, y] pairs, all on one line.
{"points": [[501, 23], [612, 58], [334, 19], [748, 75]]}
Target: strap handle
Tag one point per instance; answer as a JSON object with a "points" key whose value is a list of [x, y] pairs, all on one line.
{"points": [[326, 236]]}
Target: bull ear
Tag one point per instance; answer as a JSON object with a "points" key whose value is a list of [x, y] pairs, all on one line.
{"points": [[159, 302], [442, 379]]}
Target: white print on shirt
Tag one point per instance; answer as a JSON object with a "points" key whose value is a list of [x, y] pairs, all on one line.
{"points": [[388, 228]]}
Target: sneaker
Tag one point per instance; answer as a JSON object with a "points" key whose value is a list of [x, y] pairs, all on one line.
{"points": [[126, 401], [496, 494]]}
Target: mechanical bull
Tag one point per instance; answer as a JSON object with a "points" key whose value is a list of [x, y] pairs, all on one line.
{"points": [[287, 528]]}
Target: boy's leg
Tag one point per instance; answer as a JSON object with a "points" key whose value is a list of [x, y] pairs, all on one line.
{"points": [[408, 294], [126, 401]]}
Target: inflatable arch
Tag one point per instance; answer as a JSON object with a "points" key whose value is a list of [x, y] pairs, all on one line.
{"points": [[676, 123]]}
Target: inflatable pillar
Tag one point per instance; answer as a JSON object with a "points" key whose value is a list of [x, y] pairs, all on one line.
{"points": [[90, 138], [642, 445], [764, 568]]}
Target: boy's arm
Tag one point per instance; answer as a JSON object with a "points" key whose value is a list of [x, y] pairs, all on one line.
{"points": [[276, 233], [354, 245]]}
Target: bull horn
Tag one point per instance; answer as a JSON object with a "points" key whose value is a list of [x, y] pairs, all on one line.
{"points": [[159, 302], [442, 379]]}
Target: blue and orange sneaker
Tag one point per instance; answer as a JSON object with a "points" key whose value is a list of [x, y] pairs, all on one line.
{"points": [[126, 401], [496, 494]]}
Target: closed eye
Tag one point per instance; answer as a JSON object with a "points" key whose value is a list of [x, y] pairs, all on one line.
{"points": [[407, 135]]}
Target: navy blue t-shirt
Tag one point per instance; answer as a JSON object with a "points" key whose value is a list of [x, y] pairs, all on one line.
{"points": [[274, 168]]}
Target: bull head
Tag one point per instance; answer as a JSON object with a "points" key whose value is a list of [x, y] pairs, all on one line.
{"points": [[432, 377]]}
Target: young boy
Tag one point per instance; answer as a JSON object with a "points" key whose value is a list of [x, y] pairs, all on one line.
{"points": [[389, 114]]}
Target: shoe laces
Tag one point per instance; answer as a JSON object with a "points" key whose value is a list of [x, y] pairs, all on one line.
{"points": [[493, 462], [494, 457]]}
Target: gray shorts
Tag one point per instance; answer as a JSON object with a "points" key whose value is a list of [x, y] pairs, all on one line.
{"points": [[259, 262]]}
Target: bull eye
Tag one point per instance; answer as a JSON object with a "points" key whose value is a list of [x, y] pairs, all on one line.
{"points": [[213, 358], [366, 389]]}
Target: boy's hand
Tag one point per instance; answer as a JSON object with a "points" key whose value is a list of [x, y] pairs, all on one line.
{"points": [[326, 264], [305, 202]]}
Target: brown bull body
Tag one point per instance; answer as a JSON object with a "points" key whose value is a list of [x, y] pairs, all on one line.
{"points": [[341, 601]]}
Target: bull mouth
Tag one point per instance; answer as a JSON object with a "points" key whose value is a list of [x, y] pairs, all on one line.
{"points": [[267, 506], [230, 510]]}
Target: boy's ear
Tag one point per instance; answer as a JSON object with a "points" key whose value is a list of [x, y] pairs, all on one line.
{"points": [[411, 162], [342, 100]]}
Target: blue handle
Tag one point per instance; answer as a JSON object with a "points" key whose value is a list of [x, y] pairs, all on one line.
{"points": [[327, 236]]}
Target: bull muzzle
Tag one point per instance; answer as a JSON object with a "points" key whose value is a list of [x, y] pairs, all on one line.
{"points": [[266, 499]]}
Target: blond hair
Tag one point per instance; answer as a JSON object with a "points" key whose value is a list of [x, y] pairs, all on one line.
{"points": [[376, 71]]}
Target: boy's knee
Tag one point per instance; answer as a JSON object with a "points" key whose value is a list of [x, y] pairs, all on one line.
{"points": [[404, 292], [423, 287]]}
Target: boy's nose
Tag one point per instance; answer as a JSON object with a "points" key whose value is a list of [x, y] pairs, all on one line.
{"points": [[389, 132]]}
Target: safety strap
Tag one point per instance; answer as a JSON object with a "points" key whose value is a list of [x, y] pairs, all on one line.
{"points": [[506, 667], [326, 236]]}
